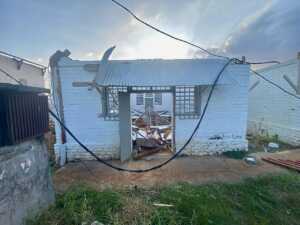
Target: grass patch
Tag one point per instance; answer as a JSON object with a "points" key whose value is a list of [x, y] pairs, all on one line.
{"points": [[266, 200], [80, 205], [258, 143]]}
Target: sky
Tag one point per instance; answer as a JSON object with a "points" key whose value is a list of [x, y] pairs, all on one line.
{"points": [[257, 29]]}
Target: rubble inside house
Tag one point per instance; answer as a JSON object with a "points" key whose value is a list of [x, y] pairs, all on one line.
{"points": [[151, 132]]}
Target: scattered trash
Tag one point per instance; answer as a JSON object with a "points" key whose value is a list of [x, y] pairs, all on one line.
{"points": [[151, 132], [162, 205], [273, 145], [250, 160]]}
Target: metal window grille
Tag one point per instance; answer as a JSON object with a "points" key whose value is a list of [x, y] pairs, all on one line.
{"points": [[139, 99], [112, 102], [186, 105], [158, 99], [22, 116], [149, 101]]}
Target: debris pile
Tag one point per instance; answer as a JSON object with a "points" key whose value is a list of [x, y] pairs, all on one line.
{"points": [[151, 132], [290, 164]]}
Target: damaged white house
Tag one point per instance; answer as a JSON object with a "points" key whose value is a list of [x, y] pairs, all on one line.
{"points": [[95, 101], [272, 112]]}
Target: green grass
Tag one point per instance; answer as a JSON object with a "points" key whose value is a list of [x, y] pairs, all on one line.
{"points": [[273, 200]]}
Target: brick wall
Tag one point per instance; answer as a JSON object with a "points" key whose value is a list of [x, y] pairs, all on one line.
{"points": [[226, 116], [270, 110]]}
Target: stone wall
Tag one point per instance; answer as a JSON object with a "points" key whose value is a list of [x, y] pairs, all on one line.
{"points": [[25, 181]]}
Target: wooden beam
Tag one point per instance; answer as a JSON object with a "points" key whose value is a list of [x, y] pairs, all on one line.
{"points": [[82, 84]]}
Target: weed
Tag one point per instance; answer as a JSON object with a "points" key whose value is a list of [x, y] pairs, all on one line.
{"points": [[264, 200]]}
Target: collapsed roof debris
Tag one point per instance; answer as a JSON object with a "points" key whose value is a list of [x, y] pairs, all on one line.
{"points": [[151, 132]]}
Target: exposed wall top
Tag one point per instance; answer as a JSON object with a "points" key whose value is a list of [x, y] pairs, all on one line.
{"points": [[26, 73], [276, 66], [158, 72]]}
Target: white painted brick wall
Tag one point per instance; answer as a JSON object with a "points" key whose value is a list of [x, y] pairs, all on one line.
{"points": [[270, 110], [226, 116]]}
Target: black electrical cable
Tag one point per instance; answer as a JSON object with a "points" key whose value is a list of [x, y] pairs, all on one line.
{"points": [[165, 33], [275, 85], [10, 76], [180, 39], [168, 160], [183, 147]]}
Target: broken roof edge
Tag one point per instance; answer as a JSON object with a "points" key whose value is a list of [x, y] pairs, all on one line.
{"points": [[26, 61], [69, 62]]}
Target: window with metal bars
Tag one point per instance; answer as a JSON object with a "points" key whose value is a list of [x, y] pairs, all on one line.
{"points": [[110, 104], [140, 99], [158, 99], [187, 99]]}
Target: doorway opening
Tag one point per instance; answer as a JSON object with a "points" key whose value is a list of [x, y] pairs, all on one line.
{"points": [[152, 123]]}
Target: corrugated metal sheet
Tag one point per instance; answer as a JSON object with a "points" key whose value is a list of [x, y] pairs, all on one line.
{"points": [[159, 72]]}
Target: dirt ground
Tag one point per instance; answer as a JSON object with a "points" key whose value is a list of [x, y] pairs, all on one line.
{"points": [[195, 170]]}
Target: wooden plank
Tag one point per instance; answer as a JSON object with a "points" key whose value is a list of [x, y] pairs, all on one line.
{"points": [[282, 163]]}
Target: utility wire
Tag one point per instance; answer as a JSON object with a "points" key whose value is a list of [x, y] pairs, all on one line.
{"points": [[275, 85], [10, 76], [180, 39], [181, 149], [159, 165], [165, 33], [168, 160], [22, 59]]}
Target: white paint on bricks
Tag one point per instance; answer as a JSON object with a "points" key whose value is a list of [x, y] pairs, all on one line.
{"points": [[270, 110], [226, 116]]}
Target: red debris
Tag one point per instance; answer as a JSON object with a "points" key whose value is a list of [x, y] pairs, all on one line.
{"points": [[290, 164]]}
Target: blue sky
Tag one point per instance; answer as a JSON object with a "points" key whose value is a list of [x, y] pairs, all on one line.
{"points": [[258, 29]]}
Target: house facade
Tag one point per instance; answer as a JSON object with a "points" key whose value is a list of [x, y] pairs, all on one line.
{"points": [[28, 73], [94, 101], [272, 112]]}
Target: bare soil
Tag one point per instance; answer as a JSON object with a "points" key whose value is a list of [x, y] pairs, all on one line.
{"points": [[194, 170]]}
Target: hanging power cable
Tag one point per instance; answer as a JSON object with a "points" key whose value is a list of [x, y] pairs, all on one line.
{"points": [[168, 160], [159, 165], [275, 85], [207, 51], [10, 76], [180, 39]]}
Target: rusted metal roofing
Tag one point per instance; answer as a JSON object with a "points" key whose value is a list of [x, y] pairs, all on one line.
{"points": [[159, 72]]}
